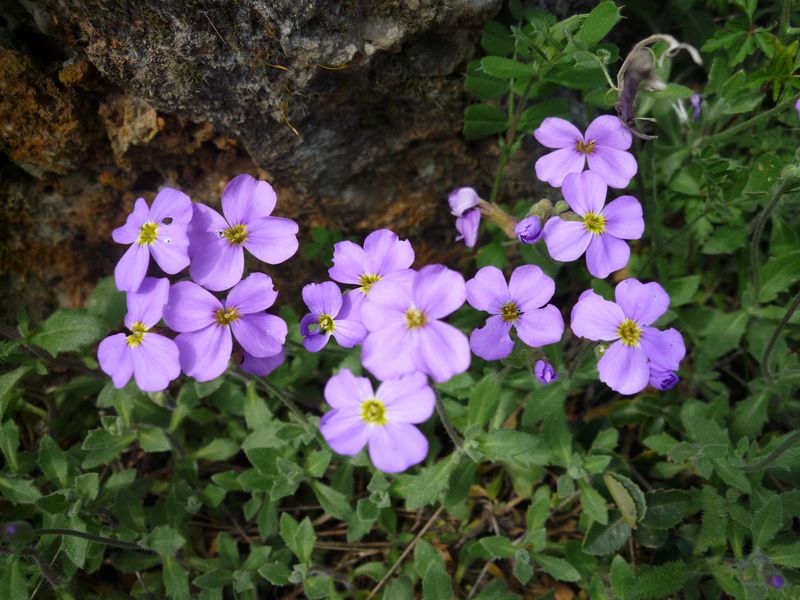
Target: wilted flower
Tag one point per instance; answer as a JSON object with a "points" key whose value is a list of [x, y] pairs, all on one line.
{"points": [[151, 358], [217, 242], [462, 199], [330, 315], [464, 206], [529, 230], [405, 333], [544, 372], [600, 231], [603, 146], [522, 304], [382, 419], [159, 230], [637, 348], [208, 326]]}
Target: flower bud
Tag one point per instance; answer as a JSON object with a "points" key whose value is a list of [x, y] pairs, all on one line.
{"points": [[17, 534], [663, 380], [462, 199], [560, 207], [529, 230], [544, 372]]}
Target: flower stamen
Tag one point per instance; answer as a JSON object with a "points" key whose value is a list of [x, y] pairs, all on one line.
{"points": [[236, 235], [138, 330], [226, 316], [366, 280], [586, 147], [373, 412], [629, 332], [415, 318], [148, 233], [326, 323], [594, 223], [509, 312]]}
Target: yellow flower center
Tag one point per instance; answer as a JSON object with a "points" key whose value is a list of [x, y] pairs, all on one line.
{"points": [[226, 316], [629, 332], [326, 323], [366, 280], [594, 223], [373, 412], [509, 312], [236, 235], [586, 147], [415, 318], [148, 233], [138, 330]]}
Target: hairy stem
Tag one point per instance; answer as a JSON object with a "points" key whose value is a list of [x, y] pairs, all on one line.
{"points": [[775, 335], [505, 152], [774, 455], [458, 442], [93, 538], [736, 129]]}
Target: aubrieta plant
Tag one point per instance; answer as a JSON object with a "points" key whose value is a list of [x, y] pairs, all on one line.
{"points": [[597, 399]]}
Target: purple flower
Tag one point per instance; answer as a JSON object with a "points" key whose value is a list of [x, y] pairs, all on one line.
{"points": [[603, 146], [663, 380], [522, 304], [637, 348], [776, 581], [696, 100], [467, 226], [262, 366], [462, 199], [544, 372], [383, 419], [151, 358], [217, 242], [600, 231], [159, 230], [206, 324], [383, 253], [529, 230], [405, 333], [330, 315]]}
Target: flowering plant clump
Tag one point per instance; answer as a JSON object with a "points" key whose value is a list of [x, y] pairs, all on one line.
{"points": [[492, 419]]}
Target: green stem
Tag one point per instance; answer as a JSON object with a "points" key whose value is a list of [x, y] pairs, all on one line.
{"points": [[458, 442], [774, 455], [93, 538], [35, 410], [774, 338], [736, 129]]}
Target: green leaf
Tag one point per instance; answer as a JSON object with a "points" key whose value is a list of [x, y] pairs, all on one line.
{"points": [[436, 584], [423, 489], [559, 440], [68, 330], [682, 289], [750, 415], [506, 68], [523, 569], [8, 385], [9, 442], [491, 255], [256, 413], [75, 547], [557, 568], [153, 439], [714, 521], [723, 332], [533, 116], [19, 491], [334, 502], [53, 461], [660, 581], [425, 557], [621, 577], [176, 579], [726, 239], [88, 486], [483, 400], [767, 522], [666, 508], [508, 445], [299, 537], [214, 579], [276, 573], [217, 449], [498, 546], [400, 589], [164, 540], [496, 39], [785, 555], [593, 503], [15, 586], [598, 23], [627, 496], [108, 302], [481, 120], [778, 274], [602, 540]]}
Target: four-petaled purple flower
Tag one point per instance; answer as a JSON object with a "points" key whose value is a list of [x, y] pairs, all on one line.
{"points": [[151, 358], [544, 372], [603, 146], [205, 324], [529, 230], [383, 419], [330, 315], [600, 231], [637, 349], [522, 304], [159, 230], [464, 206], [405, 333], [217, 243]]}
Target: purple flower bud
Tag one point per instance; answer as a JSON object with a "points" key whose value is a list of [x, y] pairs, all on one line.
{"points": [[696, 101], [11, 529], [544, 372], [663, 380], [462, 199], [529, 230], [468, 225], [797, 106], [777, 582]]}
